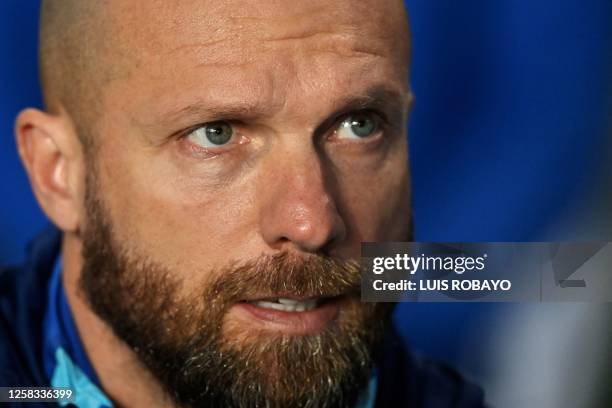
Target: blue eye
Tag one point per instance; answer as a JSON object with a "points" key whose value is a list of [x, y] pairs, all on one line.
{"points": [[211, 135], [358, 126]]}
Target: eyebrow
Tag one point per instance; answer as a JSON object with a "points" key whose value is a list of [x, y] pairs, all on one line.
{"points": [[375, 96], [378, 97], [238, 110]]}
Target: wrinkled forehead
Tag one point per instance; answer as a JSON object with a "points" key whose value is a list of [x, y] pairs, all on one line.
{"points": [[226, 31], [271, 53]]}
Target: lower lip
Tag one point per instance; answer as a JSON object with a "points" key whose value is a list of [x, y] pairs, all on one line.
{"points": [[306, 322]]}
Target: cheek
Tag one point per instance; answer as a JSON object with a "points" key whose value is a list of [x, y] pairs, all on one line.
{"points": [[176, 220], [375, 199]]}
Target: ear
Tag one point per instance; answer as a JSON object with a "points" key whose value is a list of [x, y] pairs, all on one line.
{"points": [[51, 153]]}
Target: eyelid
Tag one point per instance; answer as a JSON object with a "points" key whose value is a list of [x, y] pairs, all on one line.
{"points": [[382, 118], [334, 123], [186, 132], [365, 109], [238, 138]]}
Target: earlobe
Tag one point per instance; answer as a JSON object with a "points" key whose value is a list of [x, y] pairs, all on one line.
{"points": [[45, 145]]}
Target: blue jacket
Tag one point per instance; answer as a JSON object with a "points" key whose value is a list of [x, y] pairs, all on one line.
{"points": [[403, 379]]}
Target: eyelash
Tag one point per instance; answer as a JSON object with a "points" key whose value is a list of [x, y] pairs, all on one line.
{"points": [[200, 151], [382, 122]]}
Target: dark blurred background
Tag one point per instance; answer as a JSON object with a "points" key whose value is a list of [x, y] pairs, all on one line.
{"points": [[511, 140]]}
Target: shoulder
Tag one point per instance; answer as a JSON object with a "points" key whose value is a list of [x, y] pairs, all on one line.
{"points": [[14, 349], [443, 386], [23, 297], [411, 380]]}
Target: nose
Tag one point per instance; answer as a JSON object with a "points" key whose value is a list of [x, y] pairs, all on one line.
{"points": [[298, 209]]}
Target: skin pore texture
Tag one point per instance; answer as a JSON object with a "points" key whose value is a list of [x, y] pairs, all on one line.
{"points": [[171, 240]]}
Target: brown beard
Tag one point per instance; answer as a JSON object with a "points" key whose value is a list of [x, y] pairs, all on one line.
{"points": [[182, 339]]}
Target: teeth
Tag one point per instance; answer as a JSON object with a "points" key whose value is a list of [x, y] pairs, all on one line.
{"points": [[286, 301], [287, 305]]}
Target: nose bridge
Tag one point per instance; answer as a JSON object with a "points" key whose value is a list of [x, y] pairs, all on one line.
{"points": [[303, 171], [298, 207]]}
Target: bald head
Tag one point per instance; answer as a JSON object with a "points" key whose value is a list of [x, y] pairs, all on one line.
{"points": [[77, 55], [68, 38], [226, 132], [85, 44]]}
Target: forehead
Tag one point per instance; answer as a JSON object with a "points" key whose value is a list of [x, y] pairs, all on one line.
{"points": [[265, 48], [164, 23]]}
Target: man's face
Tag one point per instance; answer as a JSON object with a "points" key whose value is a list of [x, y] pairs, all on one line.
{"points": [[258, 137]]}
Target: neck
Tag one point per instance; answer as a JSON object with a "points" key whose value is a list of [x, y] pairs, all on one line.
{"points": [[124, 379]]}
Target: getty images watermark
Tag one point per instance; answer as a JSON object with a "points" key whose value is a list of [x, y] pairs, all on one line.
{"points": [[494, 271]]}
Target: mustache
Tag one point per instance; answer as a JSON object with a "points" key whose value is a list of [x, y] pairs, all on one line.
{"points": [[287, 275]]}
